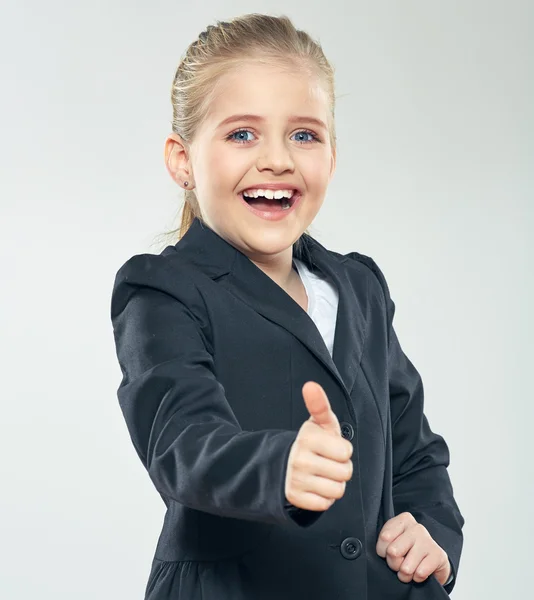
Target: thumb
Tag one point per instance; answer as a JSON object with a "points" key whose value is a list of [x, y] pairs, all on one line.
{"points": [[319, 407]]}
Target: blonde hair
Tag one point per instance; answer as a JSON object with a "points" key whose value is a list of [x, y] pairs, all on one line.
{"points": [[264, 39]]}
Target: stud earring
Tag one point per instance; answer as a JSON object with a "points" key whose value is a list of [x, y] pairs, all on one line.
{"points": [[186, 183]]}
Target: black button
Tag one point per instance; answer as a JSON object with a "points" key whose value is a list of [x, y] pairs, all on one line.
{"points": [[351, 548], [347, 430]]}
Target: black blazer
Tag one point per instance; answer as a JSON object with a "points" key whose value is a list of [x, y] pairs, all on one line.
{"points": [[214, 355]]}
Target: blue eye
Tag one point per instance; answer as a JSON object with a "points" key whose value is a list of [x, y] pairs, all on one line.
{"points": [[304, 131], [236, 132], [314, 137]]}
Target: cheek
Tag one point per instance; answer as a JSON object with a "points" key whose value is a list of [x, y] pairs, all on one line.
{"points": [[225, 165], [217, 173], [221, 178], [213, 167], [315, 169]]}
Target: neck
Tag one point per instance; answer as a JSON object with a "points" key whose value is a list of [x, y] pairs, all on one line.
{"points": [[279, 268]]}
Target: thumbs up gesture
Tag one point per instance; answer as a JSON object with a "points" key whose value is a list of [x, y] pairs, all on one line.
{"points": [[319, 462]]}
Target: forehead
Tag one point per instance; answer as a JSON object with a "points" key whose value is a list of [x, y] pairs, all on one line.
{"points": [[270, 92]]}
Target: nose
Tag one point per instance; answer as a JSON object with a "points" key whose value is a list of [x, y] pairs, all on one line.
{"points": [[276, 156]]}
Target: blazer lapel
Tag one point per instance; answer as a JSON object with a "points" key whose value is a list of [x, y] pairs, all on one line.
{"points": [[241, 277], [349, 336]]}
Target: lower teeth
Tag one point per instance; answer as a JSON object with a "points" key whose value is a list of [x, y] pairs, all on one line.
{"points": [[285, 203]]}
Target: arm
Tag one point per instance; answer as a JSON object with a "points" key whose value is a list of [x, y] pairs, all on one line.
{"points": [[178, 417], [421, 484]]}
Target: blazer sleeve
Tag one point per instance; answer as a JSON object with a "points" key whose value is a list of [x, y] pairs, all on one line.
{"points": [[179, 420], [421, 483]]}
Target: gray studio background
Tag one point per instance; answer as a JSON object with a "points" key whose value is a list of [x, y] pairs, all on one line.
{"points": [[434, 181]]}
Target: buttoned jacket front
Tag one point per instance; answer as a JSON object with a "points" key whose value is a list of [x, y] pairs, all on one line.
{"points": [[214, 355]]}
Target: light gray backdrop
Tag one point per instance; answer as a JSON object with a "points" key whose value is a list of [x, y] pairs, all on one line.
{"points": [[434, 180]]}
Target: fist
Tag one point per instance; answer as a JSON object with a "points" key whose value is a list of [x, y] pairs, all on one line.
{"points": [[410, 550], [319, 462]]}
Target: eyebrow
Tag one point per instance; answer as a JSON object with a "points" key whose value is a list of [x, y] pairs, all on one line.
{"points": [[292, 119]]}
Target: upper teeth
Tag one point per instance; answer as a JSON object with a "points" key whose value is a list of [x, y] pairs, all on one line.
{"points": [[277, 194]]}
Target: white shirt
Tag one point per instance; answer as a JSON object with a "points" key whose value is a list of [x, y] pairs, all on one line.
{"points": [[323, 299]]}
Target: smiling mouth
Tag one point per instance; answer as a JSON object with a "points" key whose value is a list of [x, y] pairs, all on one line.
{"points": [[275, 204]]}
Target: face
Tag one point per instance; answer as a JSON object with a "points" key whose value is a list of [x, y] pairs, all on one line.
{"points": [[227, 158]]}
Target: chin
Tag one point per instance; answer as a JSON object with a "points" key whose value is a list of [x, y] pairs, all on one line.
{"points": [[271, 242]]}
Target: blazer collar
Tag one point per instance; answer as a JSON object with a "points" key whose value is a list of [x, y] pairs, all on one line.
{"points": [[217, 258]]}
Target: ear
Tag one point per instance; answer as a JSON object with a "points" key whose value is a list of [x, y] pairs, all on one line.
{"points": [[177, 160], [333, 163]]}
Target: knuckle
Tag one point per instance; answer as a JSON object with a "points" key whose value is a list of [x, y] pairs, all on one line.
{"points": [[290, 495], [340, 489], [303, 438], [297, 446], [326, 503], [422, 574], [422, 529], [337, 494], [302, 462], [294, 459], [336, 490]]}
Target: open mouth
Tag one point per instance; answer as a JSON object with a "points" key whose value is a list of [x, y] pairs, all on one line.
{"points": [[262, 203]]}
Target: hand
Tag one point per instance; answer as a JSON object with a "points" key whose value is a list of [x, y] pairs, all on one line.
{"points": [[410, 549], [319, 462]]}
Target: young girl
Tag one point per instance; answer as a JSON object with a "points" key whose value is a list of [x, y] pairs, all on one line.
{"points": [[264, 386]]}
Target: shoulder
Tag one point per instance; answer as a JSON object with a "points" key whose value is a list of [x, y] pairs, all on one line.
{"points": [[158, 271], [359, 265], [169, 271], [377, 280], [155, 276], [366, 265]]}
